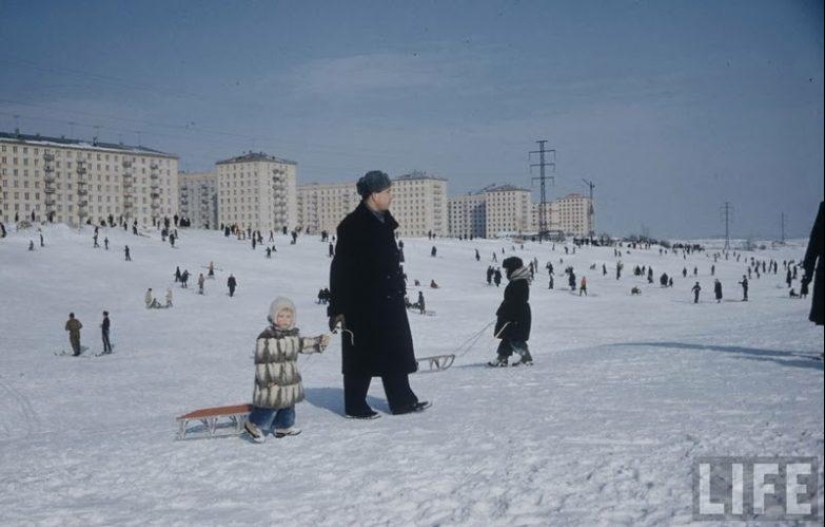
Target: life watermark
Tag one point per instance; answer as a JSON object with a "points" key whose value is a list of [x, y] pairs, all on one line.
{"points": [[755, 489]]}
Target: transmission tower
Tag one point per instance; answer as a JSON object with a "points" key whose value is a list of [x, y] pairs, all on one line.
{"points": [[543, 164], [726, 210], [783, 228]]}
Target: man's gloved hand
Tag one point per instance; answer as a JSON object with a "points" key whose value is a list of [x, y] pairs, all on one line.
{"points": [[335, 321]]}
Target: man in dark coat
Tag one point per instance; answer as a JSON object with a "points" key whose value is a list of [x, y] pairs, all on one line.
{"points": [[231, 283], [105, 326], [813, 263], [514, 318], [367, 299]]}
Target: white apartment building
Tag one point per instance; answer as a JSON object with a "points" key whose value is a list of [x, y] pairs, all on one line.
{"points": [[73, 181], [509, 211], [468, 215], [420, 205], [257, 191], [572, 214], [198, 194], [321, 207]]}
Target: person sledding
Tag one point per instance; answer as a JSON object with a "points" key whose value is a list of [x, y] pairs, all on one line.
{"points": [[513, 317]]}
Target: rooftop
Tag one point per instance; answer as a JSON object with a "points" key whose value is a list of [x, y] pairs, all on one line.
{"points": [[62, 142], [256, 157]]}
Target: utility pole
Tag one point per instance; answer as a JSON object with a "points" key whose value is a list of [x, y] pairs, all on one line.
{"points": [[590, 229], [783, 228], [727, 209], [542, 164]]}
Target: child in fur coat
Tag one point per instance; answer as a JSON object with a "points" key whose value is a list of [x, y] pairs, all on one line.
{"points": [[277, 381]]}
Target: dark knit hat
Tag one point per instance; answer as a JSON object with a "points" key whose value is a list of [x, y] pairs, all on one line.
{"points": [[372, 182], [511, 264]]}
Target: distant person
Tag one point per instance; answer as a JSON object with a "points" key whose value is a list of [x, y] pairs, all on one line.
{"points": [[696, 290], [201, 282], [105, 326], [744, 284], [231, 283], [717, 290], [583, 286], [73, 326], [168, 297], [150, 300], [127, 254], [814, 267]]}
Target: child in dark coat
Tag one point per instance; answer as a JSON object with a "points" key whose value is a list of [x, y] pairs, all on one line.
{"points": [[513, 317]]}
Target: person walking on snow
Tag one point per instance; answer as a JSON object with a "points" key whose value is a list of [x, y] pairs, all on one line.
{"points": [[73, 326], [104, 329], [513, 317], [717, 290], [696, 290], [367, 301], [583, 286], [201, 281], [278, 386], [231, 283], [744, 284]]}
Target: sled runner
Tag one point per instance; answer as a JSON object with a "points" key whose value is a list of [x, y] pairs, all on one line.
{"points": [[434, 363], [221, 421]]}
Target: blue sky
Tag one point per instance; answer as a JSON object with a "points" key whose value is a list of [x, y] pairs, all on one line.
{"points": [[670, 107]]}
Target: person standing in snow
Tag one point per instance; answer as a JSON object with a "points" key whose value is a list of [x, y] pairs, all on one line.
{"points": [[717, 290], [367, 300], [231, 283], [513, 317], [696, 290], [127, 254], [814, 267], [421, 305], [73, 326], [278, 386], [744, 284], [150, 300], [168, 297], [104, 329], [201, 281], [497, 277], [583, 286]]}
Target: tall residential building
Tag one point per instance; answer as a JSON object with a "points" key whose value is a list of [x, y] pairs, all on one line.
{"points": [[468, 215], [509, 211], [74, 181], [257, 191], [572, 213], [198, 194], [322, 206], [420, 204]]}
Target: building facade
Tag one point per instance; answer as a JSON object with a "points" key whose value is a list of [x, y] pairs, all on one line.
{"points": [[468, 215], [257, 191], [322, 206], [198, 194], [572, 215], [509, 211], [420, 205], [75, 182]]}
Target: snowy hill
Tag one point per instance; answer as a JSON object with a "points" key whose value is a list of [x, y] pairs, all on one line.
{"points": [[626, 390]]}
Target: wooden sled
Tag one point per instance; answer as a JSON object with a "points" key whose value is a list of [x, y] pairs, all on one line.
{"points": [[207, 423], [434, 363]]}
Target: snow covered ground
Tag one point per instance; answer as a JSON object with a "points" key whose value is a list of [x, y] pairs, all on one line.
{"points": [[625, 393]]}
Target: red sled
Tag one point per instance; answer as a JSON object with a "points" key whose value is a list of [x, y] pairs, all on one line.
{"points": [[210, 423]]}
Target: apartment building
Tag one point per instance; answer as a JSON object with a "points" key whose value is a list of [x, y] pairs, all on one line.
{"points": [[257, 191], [321, 207], [468, 215], [572, 213], [509, 211], [420, 204], [198, 194], [74, 181]]}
